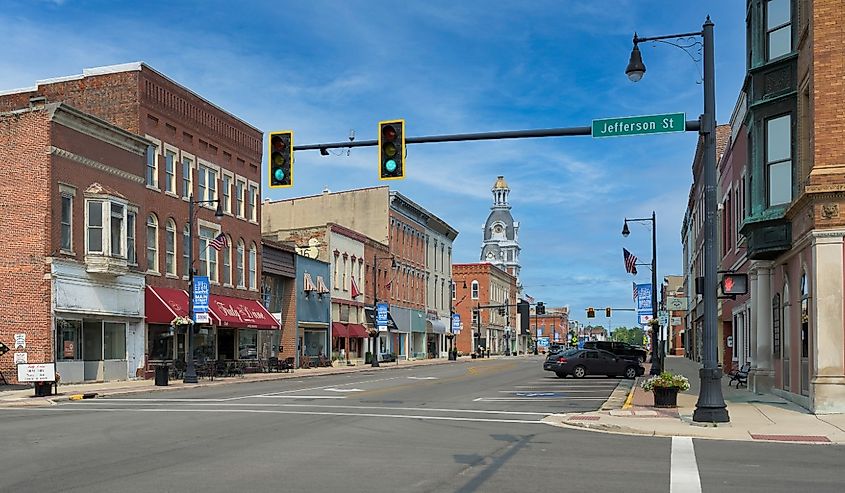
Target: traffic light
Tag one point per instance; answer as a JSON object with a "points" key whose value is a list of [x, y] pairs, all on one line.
{"points": [[591, 312], [734, 284], [541, 308], [281, 159], [523, 308], [391, 150], [607, 312]]}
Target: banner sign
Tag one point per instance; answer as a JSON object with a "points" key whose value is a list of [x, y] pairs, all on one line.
{"points": [[456, 323], [381, 316], [202, 290], [644, 298]]}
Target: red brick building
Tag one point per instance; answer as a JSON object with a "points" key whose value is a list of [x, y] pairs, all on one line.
{"points": [[107, 210], [479, 285]]}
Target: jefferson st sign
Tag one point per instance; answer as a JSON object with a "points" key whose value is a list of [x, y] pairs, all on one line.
{"points": [[639, 125]]}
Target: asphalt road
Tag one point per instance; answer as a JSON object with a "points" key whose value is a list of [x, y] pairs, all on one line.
{"points": [[464, 427]]}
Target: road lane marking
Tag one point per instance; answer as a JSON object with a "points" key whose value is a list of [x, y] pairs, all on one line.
{"points": [[332, 389], [303, 413], [537, 399], [423, 378], [684, 470], [545, 391], [301, 397]]}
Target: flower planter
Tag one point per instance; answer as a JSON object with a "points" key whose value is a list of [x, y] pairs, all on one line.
{"points": [[666, 396]]}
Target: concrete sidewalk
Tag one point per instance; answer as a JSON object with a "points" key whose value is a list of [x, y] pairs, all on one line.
{"points": [[18, 397], [754, 417]]}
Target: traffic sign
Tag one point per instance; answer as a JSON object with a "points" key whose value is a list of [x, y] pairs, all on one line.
{"points": [[639, 125]]}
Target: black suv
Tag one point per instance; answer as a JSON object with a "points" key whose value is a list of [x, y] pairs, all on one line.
{"points": [[622, 349]]}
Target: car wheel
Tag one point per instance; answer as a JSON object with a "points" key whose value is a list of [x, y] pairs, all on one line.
{"points": [[560, 374], [579, 372], [631, 372]]}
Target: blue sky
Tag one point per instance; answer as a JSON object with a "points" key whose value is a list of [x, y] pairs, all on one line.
{"points": [[322, 68]]}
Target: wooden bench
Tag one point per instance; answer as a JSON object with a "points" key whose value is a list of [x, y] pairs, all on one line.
{"points": [[740, 376]]}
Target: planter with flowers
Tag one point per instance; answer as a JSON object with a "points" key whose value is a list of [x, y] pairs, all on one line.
{"points": [[665, 388]]}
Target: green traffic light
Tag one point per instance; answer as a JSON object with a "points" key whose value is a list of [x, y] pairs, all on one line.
{"points": [[279, 174], [390, 165]]}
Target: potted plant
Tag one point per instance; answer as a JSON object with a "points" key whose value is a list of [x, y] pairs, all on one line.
{"points": [[665, 388]]}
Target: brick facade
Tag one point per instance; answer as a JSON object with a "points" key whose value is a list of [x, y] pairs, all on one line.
{"points": [[464, 303]]}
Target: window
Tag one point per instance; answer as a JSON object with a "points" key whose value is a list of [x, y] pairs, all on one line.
{"points": [[239, 198], [212, 185], [343, 274], [208, 255], [186, 249], [227, 262], [106, 228], [68, 339], [475, 318], [170, 248], [206, 184], [170, 171], [779, 159], [131, 254], [152, 243], [187, 177], [226, 193], [253, 265], [474, 290], [118, 212], [454, 288], [152, 166], [67, 224], [239, 263], [114, 341], [201, 183], [778, 28], [95, 227], [253, 193]]}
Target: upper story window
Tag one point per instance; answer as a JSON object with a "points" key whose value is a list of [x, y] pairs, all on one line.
{"points": [[227, 262], [226, 193], [253, 266], [239, 198], [239, 264], [778, 28], [474, 292], [67, 222], [208, 255], [253, 194], [779, 159], [170, 248], [187, 177], [131, 253], [186, 249], [170, 171], [106, 227], [152, 166], [152, 243]]}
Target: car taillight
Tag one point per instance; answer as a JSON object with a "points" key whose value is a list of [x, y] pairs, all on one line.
{"points": [[561, 360]]}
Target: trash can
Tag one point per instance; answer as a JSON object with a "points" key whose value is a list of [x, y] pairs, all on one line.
{"points": [[161, 375], [43, 389]]}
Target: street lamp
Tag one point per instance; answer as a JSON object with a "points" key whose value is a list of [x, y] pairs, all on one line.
{"points": [[656, 352], [451, 315], [374, 356], [711, 403], [190, 369]]}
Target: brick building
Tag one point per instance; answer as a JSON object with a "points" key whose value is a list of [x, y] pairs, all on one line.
{"points": [[117, 217], [482, 285]]}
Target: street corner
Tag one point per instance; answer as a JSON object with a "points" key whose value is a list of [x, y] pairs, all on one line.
{"points": [[593, 421], [27, 402]]}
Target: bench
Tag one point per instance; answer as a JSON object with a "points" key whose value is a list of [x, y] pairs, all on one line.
{"points": [[740, 376]]}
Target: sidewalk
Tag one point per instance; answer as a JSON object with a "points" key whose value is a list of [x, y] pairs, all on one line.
{"points": [[17, 397], [754, 417]]}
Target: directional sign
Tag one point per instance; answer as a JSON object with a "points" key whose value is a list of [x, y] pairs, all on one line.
{"points": [[639, 125]]}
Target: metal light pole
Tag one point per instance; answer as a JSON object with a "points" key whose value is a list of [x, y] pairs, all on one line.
{"points": [[374, 356], [711, 403], [451, 315], [190, 368], [656, 356]]}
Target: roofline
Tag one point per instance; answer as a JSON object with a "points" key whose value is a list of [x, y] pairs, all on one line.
{"points": [[426, 212], [291, 199]]}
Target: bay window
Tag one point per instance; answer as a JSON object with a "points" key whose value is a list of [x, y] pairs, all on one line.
{"points": [[779, 159]]}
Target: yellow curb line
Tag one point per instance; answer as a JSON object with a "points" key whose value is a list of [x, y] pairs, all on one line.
{"points": [[630, 398]]}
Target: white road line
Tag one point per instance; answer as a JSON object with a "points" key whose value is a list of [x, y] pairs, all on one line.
{"points": [[684, 471], [561, 391], [328, 406], [317, 388], [274, 411], [301, 397], [537, 399]]}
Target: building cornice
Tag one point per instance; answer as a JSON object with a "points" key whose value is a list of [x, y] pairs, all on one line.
{"points": [[96, 165]]}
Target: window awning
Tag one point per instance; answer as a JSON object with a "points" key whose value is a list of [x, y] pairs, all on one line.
{"points": [[435, 326], [241, 313], [162, 305], [339, 330], [391, 324], [358, 330]]}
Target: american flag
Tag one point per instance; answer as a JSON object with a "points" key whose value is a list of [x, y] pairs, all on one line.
{"points": [[219, 242], [635, 289], [630, 262]]}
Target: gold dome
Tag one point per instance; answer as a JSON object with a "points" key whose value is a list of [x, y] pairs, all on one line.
{"points": [[500, 183]]}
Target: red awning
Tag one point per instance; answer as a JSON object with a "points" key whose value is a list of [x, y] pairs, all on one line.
{"points": [[240, 313], [339, 330], [358, 330], [162, 305]]}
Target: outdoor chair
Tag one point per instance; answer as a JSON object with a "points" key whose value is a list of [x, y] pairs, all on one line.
{"points": [[740, 376]]}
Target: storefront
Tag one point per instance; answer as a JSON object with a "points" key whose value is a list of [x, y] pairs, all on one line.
{"points": [[98, 324], [434, 330], [313, 309], [348, 340]]}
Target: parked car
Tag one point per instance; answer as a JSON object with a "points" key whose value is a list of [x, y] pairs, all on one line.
{"points": [[618, 348], [582, 362]]}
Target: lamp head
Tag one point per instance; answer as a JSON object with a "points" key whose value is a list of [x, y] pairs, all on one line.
{"points": [[218, 213], [625, 230], [635, 69]]}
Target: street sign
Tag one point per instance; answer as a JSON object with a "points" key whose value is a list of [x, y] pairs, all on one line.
{"points": [[663, 316], [381, 316], [639, 125], [456, 323], [543, 342], [676, 304]]}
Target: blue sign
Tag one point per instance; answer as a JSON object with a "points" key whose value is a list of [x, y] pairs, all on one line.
{"points": [[543, 342], [381, 316], [644, 298], [202, 290], [456, 323]]}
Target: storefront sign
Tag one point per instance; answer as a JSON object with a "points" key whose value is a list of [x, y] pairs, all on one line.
{"points": [[20, 358], [37, 372], [676, 304], [69, 349], [381, 316], [202, 290], [676, 321], [20, 341]]}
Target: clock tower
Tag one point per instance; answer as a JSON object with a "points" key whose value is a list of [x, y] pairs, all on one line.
{"points": [[501, 233]]}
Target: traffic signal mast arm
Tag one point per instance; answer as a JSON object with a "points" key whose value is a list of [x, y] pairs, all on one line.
{"points": [[690, 126]]}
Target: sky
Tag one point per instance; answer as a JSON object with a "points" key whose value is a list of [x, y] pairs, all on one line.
{"points": [[323, 68]]}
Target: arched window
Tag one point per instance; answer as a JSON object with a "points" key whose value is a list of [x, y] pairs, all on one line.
{"points": [[253, 265], [227, 261], [152, 243], [474, 290], [170, 247], [239, 262]]}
